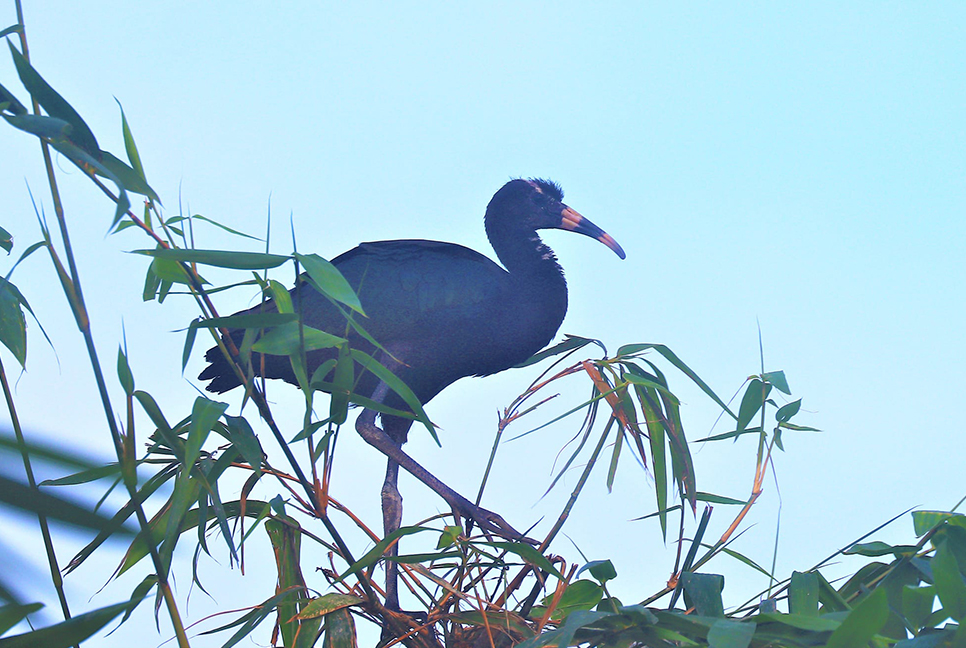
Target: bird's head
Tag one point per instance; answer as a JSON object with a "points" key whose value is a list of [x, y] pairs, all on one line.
{"points": [[536, 204]]}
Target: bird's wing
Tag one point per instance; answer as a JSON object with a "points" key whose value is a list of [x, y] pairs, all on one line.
{"points": [[416, 288]]}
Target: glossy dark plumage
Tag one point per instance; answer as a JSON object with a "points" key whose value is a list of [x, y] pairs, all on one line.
{"points": [[446, 311]]}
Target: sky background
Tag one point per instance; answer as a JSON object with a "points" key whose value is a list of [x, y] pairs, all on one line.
{"points": [[801, 168]]}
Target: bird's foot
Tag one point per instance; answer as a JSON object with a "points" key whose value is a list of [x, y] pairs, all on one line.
{"points": [[491, 524]]}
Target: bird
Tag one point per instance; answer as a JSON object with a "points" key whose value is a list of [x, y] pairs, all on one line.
{"points": [[440, 312]]}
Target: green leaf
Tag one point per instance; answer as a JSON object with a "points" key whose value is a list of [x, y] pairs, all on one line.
{"points": [[402, 389], [340, 631], [570, 343], [671, 357], [85, 476], [6, 240], [164, 270], [711, 498], [948, 581], [248, 622], [564, 635], [281, 297], [342, 382], [124, 375], [328, 603], [48, 128], [863, 622], [91, 164], [727, 633], [704, 592], [647, 398], [220, 226], [13, 324], [67, 633], [285, 339], [917, 604], [786, 412], [189, 343], [803, 594], [204, 413], [777, 379], [751, 402], [812, 623], [131, 148], [219, 258], [579, 595], [924, 521], [243, 437], [529, 554], [9, 103], [250, 321], [286, 537], [874, 549], [11, 615], [21, 496], [129, 177], [327, 279], [636, 379], [748, 561], [54, 104], [373, 555], [602, 570]]}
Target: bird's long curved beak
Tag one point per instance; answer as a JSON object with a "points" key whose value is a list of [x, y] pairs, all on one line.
{"points": [[574, 222]]}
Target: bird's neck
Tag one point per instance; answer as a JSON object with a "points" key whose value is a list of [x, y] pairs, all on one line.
{"points": [[533, 266]]}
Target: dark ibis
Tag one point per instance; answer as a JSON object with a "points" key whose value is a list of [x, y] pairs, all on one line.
{"points": [[442, 312]]}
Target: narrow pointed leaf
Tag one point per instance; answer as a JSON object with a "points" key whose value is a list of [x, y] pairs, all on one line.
{"points": [[124, 375], [220, 258], [285, 339], [13, 324], [243, 437], [53, 103], [67, 633], [32, 500], [570, 343], [11, 615], [130, 147], [129, 177], [751, 402], [371, 364], [329, 281]]}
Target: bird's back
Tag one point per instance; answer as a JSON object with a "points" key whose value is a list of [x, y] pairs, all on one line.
{"points": [[442, 310]]}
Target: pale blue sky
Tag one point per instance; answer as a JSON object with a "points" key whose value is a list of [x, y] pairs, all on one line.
{"points": [[799, 166]]}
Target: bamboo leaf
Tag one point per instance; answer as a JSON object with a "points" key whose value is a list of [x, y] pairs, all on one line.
{"points": [[327, 279], [219, 258], [68, 633], [751, 402], [570, 343], [53, 103], [13, 324]]}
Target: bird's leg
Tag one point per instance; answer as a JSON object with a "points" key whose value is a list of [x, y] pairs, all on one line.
{"points": [[391, 520], [489, 522], [392, 508]]}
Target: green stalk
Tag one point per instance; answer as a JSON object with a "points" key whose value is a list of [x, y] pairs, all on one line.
{"points": [[55, 576], [72, 289]]}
